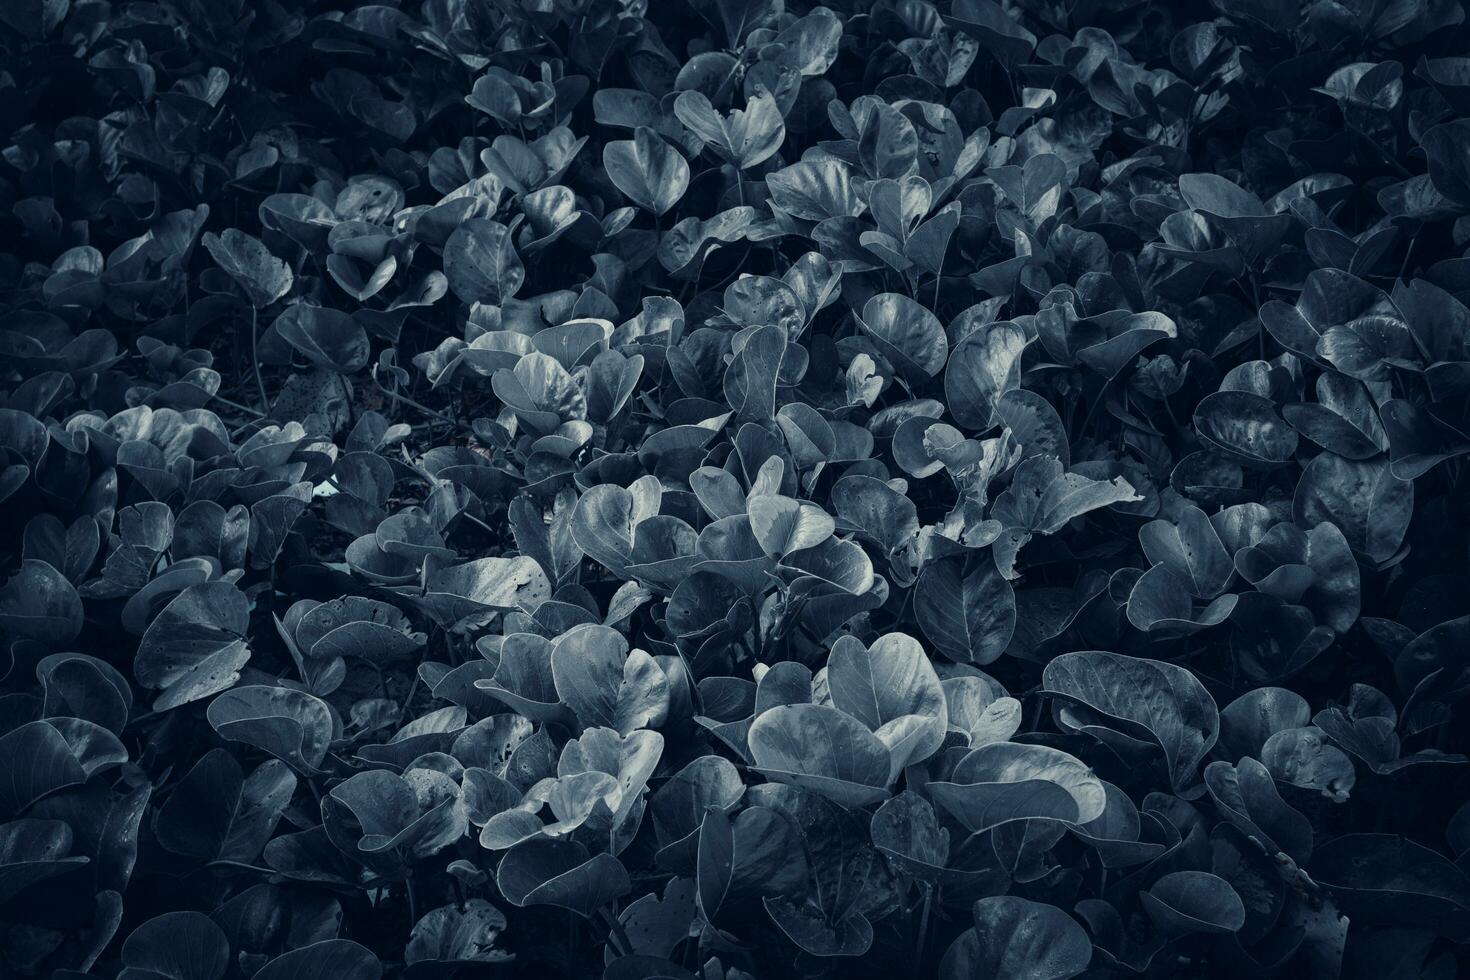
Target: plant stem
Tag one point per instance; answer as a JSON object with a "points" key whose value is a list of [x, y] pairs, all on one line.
{"points": [[223, 863], [421, 407], [1092, 409], [237, 406], [265, 402], [923, 937], [623, 946], [938, 279]]}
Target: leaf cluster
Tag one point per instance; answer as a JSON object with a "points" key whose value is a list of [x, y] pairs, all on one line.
{"points": [[734, 489]]}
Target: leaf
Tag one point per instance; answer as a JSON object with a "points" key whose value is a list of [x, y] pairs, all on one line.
{"points": [[988, 22], [1191, 550], [541, 392], [38, 761], [1344, 420], [889, 680], [1158, 701], [77, 686], [32, 851], [1302, 757], [809, 45], [1449, 165], [783, 525], [906, 333], [819, 748], [1368, 347], [1388, 879], [1246, 795], [262, 276], [1242, 216], [1035, 187], [876, 510], [1015, 937], [485, 585], [38, 602], [906, 829], [758, 853], [1034, 423], [1248, 721], [384, 820], [196, 646], [450, 934], [1246, 426], [291, 725], [606, 684], [984, 366], [1370, 505], [1042, 499], [1002, 782], [328, 338], [969, 616], [805, 925], [1115, 833], [331, 957], [560, 873], [481, 263], [1418, 440], [745, 137], [217, 813], [1194, 901], [176, 946], [750, 380], [523, 678], [647, 170], [605, 519], [1161, 603], [815, 190], [655, 926]]}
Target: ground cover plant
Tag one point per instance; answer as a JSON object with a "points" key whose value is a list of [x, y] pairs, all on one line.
{"points": [[734, 489]]}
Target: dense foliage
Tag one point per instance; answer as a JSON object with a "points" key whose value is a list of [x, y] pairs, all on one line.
{"points": [[734, 489]]}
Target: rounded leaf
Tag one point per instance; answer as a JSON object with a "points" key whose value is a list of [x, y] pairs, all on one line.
{"points": [[819, 748], [1017, 939]]}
